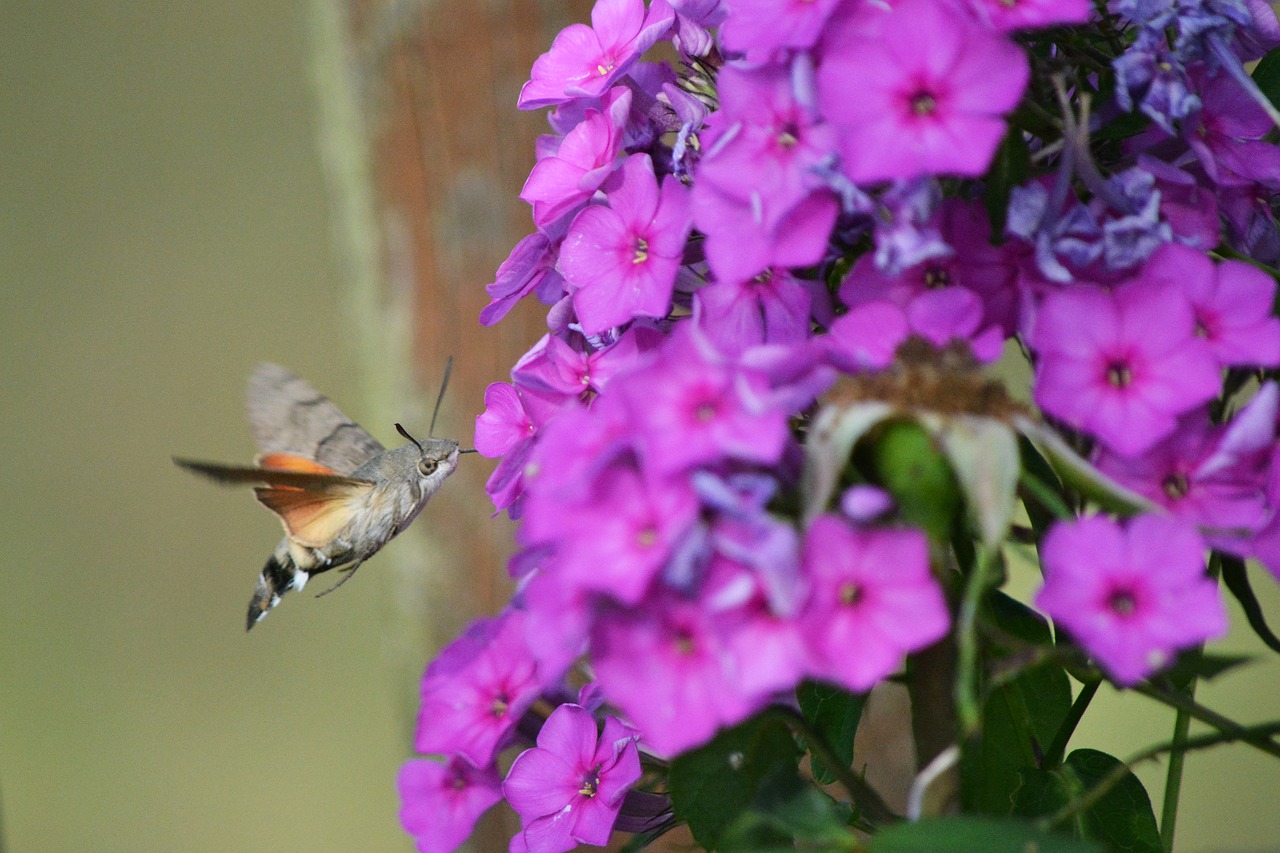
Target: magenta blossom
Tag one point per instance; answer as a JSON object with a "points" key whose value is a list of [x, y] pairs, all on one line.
{"points": [[440, 803], [476, 689], [1122, 364], [568, 789], [874, 600], [1007, 15], [530, 268], [621, 260], [772, 307], [566, 178], [1131, 596], [759, 28], [584, 61], [931, 92]]}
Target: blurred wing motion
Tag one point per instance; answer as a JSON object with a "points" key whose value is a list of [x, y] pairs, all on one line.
{"points": [[290, 417]]}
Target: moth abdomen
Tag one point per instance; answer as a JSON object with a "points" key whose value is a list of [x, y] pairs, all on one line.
{"points": [[278, 576]]}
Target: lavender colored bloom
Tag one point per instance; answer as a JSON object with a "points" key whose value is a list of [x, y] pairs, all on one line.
{"points": [[1227, 135], [666, 664], [1214, 477], [620, 261], [906, 227], [1121, 365], [1131, 596], [476, 689], [863, 503], [1232, 302], [530, 268], [569, 789], [694, 21], [874, 600], [931, 92], [584, 61], [564, 179], [441, 802], [1153, 78]]}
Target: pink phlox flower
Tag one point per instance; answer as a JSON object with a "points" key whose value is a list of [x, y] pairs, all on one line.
{"points": [[1132, 596], [667, 665], [1123, 364], [867, 337], [508, 428], [955, 314], [1232, 301], [530, 268], [692, 406], [1187, 203], [568, 789], [745, 237], [566, 177], [772, 307], [620, 260], [618, 541], [873, 601], [694, 21], [441, 802], [864, 504], [584, 61], [763, 28], [796, 375], [1010, 15], [932, 90], [475, 690], [571, 366], [559, 617], [1214, 477]]}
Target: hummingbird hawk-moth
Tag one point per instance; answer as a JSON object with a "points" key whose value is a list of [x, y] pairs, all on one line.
{"points": [[338, 492]]}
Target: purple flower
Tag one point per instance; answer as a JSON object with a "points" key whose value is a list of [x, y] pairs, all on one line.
{"points": [[507, 428], [584, 61], [1121, 365], [621, 260], [874, 600], [931, 93], [866, 338], [1214, 477], [476, 689], [666, 664], [1008, 15], [772, 307], [1131, 596], [1227, 135], [1232, 303], [569, 789], [440, 802], [693, 407], [530, 268], [565, 178], [759, 28]]}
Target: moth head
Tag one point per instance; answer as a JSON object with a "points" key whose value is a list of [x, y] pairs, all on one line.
{"points": [[437, 457]]}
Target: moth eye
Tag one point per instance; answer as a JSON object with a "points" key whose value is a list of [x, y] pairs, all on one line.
{"points": [[427, 467]]}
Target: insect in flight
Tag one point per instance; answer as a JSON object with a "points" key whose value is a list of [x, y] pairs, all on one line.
{"points": [[338, 492]]}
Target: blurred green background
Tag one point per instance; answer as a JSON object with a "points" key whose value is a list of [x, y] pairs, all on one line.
{"points": [[163, 227]]}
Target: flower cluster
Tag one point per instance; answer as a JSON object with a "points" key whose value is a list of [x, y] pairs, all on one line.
{"points": [[830, 194]]}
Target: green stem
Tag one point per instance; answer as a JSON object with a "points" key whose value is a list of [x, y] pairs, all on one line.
{"points": [[868, 802], [1045, 496], [1173, 776], [1090, 798], [1230, 729], [967, 704], [1058, 749]]}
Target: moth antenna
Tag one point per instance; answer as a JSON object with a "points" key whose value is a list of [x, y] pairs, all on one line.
{"points": [[472, 450], [405, 433], [448, 368]]}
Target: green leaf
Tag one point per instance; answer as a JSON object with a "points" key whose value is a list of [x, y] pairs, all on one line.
{"points": [[1122, 819], [1267, 75], [1077, 473], [834, 714], [1036, 466], [1200, 664], [713, 785], [1237, 580], [1019, 719], [1009, 168], [788, 811], [975, 835]]}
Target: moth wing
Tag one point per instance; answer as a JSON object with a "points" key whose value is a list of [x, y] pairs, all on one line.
{"points": [[289, 416], [291, 474], [313, 517]]}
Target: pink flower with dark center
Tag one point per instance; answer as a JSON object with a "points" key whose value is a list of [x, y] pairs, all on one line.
{"points": [[1132, 596], [1232, 301], [1122, 364], [440, 803], [584, 61], [874, 601], [927, 96], [568, 789], [621, 260], [476, 689]]}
